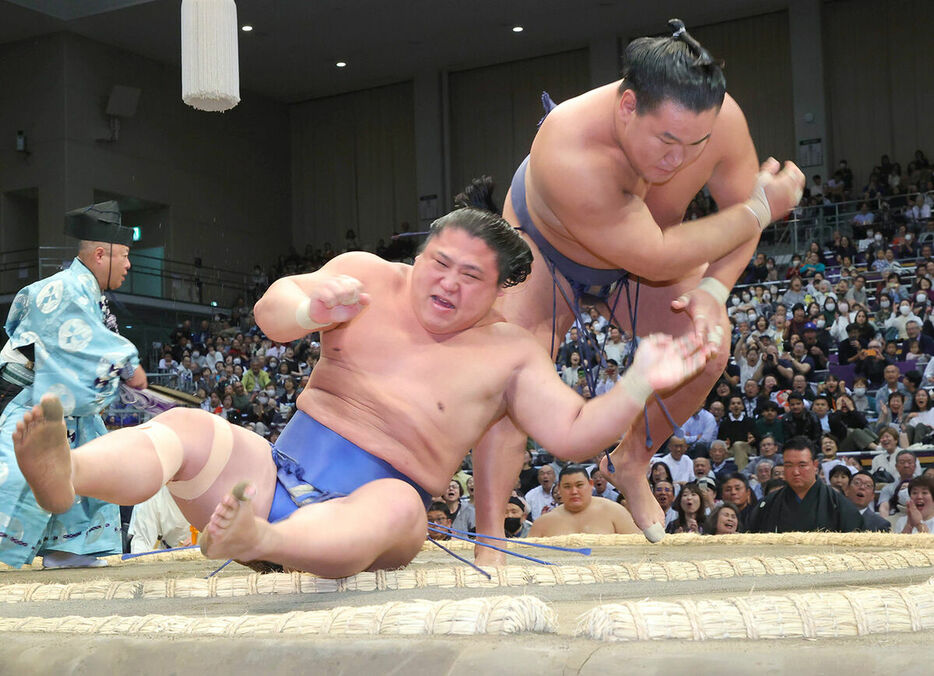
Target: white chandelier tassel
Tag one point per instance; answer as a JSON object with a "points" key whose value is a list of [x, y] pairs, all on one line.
{"points": [[210, 67]]}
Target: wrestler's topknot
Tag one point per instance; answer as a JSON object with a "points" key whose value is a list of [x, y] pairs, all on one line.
{"points": [[676, 68], [477, 215]]}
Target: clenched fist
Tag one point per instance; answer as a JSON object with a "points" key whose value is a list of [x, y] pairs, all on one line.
{"points": [[337, 299]]}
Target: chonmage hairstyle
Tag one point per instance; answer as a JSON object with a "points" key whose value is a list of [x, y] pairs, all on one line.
{"points": [[675, 68], [473, 216]]}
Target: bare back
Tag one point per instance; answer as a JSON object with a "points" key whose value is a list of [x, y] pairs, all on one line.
{"points": [[402, 394]]}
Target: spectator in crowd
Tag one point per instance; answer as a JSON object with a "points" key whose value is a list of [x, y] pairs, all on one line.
{"points": [[894, 496], [762, 476], [579, 512], [699, 431], [680, 464], [664, 492], [798, 421], [660, 472], [720, 464], [768, 450], [802, 363], [862, 493], [894, 414], [805, 504], [255, 378], [718, 411], [601, 487], [736, 489], [795, 294], [753, 401], [888, 442], [609, 376], [539, 498], [463, 516], [439, 521], [616, 347], [769, 424], [241, 400], [690, 509], [574, 374], [862, 399], [575, 343], [820, 407], [839, 478], [528, 475], [920, 508], [702, 468], [516, 524], [723, 520], [738, 430]]}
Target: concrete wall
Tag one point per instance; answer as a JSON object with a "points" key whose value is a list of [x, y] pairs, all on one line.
{"points": [[224, 178]]}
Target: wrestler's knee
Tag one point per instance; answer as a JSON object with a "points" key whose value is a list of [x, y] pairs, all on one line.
{"points": [[403, 519], [185, 418]]}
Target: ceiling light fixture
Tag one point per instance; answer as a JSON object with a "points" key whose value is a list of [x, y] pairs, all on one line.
{"points": [[341, 64], [517, 29], [246, 28]]}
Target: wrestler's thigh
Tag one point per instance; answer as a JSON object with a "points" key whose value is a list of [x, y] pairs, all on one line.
{"points": [[533, 303], [250, 460], [654, 313]]}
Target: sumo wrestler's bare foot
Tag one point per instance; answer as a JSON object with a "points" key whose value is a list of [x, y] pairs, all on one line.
{"points": [[484, 556], [630, 479], [233, 532], [40, 441]]}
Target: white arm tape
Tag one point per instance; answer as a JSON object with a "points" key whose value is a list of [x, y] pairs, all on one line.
{"points": [[638, 387], [758, 203], [301, 316], [715, 288]]}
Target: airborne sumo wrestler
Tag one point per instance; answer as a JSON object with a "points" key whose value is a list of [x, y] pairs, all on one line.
{"points": [[600, 200], [414, 367]]}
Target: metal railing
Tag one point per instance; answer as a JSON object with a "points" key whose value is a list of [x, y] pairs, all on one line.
{"points": [[818, 223], [149, 276]]}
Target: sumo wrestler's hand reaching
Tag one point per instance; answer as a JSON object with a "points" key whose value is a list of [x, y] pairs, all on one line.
{"points": [[334, 299], [663, 362]]}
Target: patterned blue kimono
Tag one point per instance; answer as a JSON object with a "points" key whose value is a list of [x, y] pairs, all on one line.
{"points": [[80, 360]]}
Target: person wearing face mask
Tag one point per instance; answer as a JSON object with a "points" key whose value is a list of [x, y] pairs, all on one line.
{"points": [[764, 307], [516, 523], [899, 321], [885, 312], [841, 320], [747, 303]]}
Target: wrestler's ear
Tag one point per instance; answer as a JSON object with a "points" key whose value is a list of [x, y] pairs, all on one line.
{"points": [[627, 104]]}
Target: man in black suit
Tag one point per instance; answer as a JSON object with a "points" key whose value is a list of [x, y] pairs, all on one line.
{"points": [[862, 493]]}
